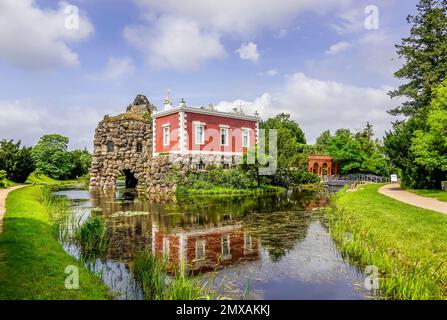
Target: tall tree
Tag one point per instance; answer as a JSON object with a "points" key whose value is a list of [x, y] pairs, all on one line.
{"points": [[291, 140], [16, 161], [425, 57], [51, 156], [430, 146], [81, 161], [425, 66]]}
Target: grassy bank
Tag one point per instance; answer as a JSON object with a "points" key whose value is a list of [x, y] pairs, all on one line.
{"points": [[229, 191], [36, 178], [32, 262], [436, 194], [408, 245]]}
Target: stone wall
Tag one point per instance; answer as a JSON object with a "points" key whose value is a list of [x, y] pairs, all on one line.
{"points": [[116, 144]]}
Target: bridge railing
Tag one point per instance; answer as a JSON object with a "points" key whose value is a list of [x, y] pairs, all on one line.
{"points": [[356, 177]]}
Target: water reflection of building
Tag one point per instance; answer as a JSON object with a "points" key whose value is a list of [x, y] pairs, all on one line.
{"points": [[206, 249]]}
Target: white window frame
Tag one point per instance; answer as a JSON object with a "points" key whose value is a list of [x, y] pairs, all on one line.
{"points": [[228, 254], [246, 133], [166, 129], [166, 246], [196, 128], [248, 243], [227, 134], [203, 244]]}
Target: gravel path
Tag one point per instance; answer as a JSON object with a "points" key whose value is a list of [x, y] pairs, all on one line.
{"points": [[394, 191], [3, 195]]}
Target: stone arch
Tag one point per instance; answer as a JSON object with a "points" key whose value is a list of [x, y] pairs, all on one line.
{"points": [[131, 180], [315, 168], [324, 169]]}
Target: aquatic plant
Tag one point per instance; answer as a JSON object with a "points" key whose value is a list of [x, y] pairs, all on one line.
{"points": [[58, 209], [92, 236], [151, 274]]}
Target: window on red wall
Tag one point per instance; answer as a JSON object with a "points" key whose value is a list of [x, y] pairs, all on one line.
{"points": [[166, 135], [200, 134], [224, 136], [245, 138]]}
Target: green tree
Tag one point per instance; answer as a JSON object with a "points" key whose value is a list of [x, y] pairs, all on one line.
{"points": [[51, 156], [355, 152], [323, 141], [345, 151], [424, 54], [430, 146], [425, 57], [15, 161], [81, 161], [291, 139]]}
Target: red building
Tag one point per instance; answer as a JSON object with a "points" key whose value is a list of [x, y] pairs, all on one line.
{"points": [[323, 165], [206, 249], [202, 131]]}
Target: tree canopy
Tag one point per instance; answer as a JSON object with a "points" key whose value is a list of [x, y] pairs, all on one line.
{"points": [[291, 139], [354, 152], [424, 53], [52, 158], [15, 161]]}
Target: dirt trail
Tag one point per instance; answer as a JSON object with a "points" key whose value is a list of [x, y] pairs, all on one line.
{"points": [[394, 191], [3, 195]]}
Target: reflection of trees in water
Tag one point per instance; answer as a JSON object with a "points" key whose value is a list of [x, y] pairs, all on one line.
{"points": [[279, 231], [129, 235]]}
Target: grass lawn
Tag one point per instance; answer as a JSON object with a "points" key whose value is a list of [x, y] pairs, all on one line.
{"points": [[32, 262], [407, 244], [437, 194]]}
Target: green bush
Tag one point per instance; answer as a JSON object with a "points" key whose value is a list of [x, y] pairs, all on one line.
{"points": [[2, 178], [217, 177], [15, 160], [289, 178]]}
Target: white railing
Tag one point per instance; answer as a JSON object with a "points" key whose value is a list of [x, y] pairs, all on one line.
{"points": [[356, 177]]}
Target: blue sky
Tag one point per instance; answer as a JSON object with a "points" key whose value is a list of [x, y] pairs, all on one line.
{"points": [[314, 59]]}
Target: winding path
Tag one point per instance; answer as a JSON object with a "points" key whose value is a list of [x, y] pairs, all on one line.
{"points": [[3, 195], [394, 191]]}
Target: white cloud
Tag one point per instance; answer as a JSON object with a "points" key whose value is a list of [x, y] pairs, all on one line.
{"points": [[174, 43], [248, 51], [38, 39], [338, 47], [116, 69], [27, 120], [319, 105], [184, 34], [270, 73], [242, 16]]}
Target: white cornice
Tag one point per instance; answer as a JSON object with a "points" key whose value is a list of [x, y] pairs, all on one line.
{"points": [[204, 111]]}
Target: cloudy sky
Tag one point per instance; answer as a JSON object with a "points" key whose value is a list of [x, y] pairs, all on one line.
{"points": [[329, 63]]}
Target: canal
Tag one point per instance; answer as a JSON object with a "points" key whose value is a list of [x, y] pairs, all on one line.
{"points": [[260, 247]]}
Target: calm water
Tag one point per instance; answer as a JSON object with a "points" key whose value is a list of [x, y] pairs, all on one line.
{"points": [[273, 247]]}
